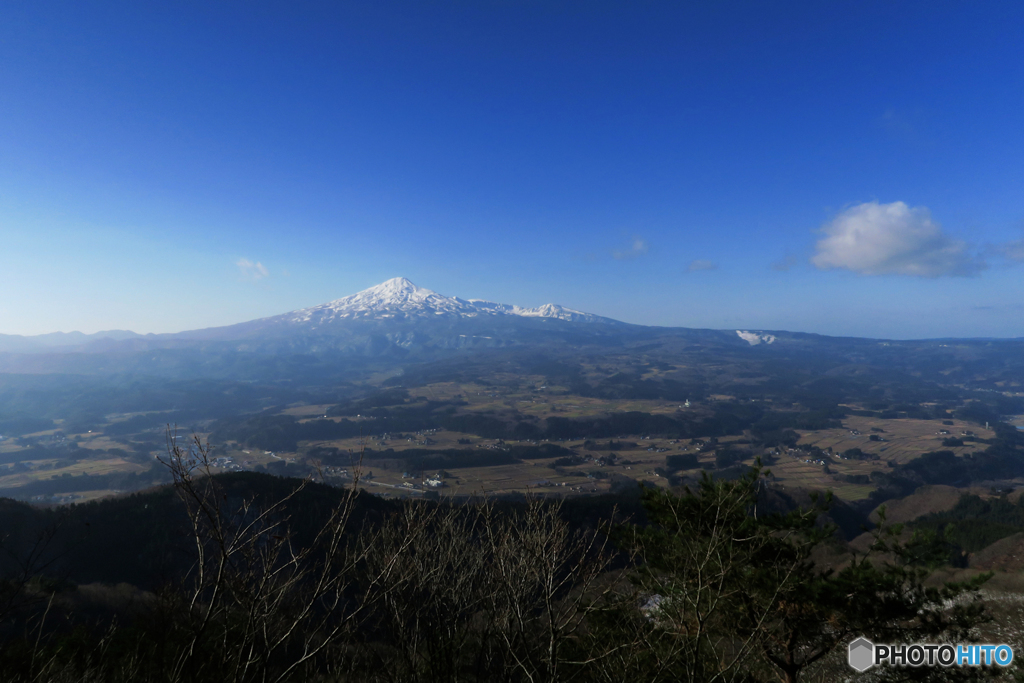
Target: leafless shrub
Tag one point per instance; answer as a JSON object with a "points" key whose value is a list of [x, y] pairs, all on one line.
{"points": [[432, 568], [544, 582], [267, 607]]}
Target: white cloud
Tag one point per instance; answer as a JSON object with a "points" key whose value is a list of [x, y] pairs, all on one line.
{"points": [[252, 271], [638, 247], [893, 239], [700, 264]]}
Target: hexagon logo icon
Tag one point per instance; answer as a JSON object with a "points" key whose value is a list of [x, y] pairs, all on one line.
{"points": [[862, 654]]}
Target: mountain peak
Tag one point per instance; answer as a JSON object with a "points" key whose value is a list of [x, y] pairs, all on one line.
{"points": [[395, 284], [397, 290]]}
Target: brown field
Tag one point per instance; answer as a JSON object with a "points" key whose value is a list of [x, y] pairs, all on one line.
{"points": [[529, 477], [532, 399], [925, 500], [98, 442], [514, 397], [796, 473], [307, 411], [249, 457], [904, 439], [98, 466]]}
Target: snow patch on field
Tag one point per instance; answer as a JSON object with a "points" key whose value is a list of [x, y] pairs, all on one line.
{"points": [[755, 338]]}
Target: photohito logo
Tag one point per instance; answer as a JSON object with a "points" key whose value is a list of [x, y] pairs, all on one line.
{"points": [[863, 654]]}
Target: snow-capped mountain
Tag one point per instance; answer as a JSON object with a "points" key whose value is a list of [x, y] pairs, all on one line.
{"points": [[392, 323], [399, 298]]}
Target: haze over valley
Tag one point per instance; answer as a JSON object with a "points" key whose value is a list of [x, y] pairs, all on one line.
{"points": [[403, 342], [468, 377]]}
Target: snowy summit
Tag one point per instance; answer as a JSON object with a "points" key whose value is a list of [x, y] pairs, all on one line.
{"points": [[400, 298]]}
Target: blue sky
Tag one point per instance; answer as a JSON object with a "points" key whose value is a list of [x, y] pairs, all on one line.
{"points": [[843, 168]]}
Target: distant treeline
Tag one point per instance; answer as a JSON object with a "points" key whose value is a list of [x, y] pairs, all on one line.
{"points": [[70, 451], [30, 403], [16, 426], [65, 451], [184, 420], [975, 523], [284, 432], [68, 483]]}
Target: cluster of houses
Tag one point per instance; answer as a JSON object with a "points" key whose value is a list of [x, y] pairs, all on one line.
{"points": [[556, 484], [434, 481], [963, 432], [498, 445], [225, 463], [800, 452]]}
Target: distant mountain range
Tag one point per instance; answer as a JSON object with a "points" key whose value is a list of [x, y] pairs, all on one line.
{"points": [[397, 329], [396, 323], [393, 321], [57, 340], [396, 300]]}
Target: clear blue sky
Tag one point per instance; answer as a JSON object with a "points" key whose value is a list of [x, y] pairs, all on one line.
{"points": [[847, 168]]}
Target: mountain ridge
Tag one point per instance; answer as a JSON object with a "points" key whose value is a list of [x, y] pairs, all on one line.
{"points": [[397, 299]]}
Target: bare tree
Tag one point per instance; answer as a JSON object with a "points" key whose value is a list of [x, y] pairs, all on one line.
{"points": [[710, 577], [545, 582], [482, 593], [24, 559], [428, 618], [264, 606]]}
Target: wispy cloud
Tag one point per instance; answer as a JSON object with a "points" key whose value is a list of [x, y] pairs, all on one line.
{"points": [[252, 271], [637, 248], [908, 126], [784, 264], [698, 265], [1013, 251], [893, 239]]}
